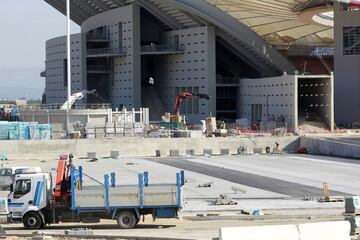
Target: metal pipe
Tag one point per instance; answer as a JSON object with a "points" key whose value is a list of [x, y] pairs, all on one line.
{"points": [[68, 53]]}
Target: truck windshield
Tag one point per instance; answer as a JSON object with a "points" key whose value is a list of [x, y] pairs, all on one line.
{"points": [[5, 172], [22, 187]]}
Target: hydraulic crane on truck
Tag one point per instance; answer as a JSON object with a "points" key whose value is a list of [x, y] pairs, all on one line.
{"points": [[185, 95], [177, 121]]}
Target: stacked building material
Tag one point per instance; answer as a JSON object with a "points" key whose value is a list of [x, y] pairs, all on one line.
{"points": [[110, 129], [4, 130], [13, 131], [99, 132], [90, 130], [34, 131], [119, 129], [57, 131], [45, 131]]}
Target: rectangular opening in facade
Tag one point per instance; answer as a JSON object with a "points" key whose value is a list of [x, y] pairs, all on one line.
{"points": [[315, 103]]}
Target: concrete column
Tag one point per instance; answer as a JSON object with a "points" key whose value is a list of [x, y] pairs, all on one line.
{"points": [[212, 68]]}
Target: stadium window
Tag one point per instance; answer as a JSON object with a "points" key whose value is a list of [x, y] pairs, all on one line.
{"points": [[351, 40]]}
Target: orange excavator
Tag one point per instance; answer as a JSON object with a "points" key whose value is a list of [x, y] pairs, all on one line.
{"points": [[185, 95]]}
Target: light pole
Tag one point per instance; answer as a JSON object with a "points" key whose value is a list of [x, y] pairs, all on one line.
{"points": [[68, 53]]}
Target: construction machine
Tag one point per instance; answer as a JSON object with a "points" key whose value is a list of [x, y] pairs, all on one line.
{"points": [[177, 121], [33, 200], [78, 96]]}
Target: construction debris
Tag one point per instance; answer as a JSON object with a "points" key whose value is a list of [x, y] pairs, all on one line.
{"points": [[225, 200], [79, 231], [205, 185]]}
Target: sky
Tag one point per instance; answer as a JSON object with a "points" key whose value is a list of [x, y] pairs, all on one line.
{"points": [[25, 27]]}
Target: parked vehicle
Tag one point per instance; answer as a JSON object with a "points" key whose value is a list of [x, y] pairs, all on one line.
{"points": [[35, 202]]}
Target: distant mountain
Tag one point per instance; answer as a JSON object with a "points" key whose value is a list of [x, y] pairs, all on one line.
{"points": [[21, 82]]}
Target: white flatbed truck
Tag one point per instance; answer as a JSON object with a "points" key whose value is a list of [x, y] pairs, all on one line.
{"points": [[35, 202]]}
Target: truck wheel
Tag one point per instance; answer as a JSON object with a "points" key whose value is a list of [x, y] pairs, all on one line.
{"points": [[33, 221], [126, 220]]}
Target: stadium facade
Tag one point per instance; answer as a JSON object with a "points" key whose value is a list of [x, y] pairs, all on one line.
{"points": [[142, 53]]}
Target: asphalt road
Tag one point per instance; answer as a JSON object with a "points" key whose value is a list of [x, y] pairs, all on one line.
{"points": [[252, 180]]}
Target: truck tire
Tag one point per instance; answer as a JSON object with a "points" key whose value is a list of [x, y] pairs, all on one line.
{"points": [[127, 220], [33, 221]]}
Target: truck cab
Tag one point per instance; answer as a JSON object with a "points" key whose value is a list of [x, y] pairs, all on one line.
{"points": [[6, 174], [28, 197]]}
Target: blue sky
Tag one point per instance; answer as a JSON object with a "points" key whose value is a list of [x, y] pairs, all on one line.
{"points": [[25, 26]]}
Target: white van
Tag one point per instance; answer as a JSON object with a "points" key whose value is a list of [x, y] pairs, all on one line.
{"points": [[7, 172]]}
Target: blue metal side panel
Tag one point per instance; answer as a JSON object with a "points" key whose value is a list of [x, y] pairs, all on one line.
{"points": [[36, 192], [80, 175], [40, 193], [178, 182], [106, 183], [141, 192], [72, 188], [166, 212]]}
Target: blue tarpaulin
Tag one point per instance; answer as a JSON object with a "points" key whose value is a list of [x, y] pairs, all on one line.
{"points": [[24, 131]]}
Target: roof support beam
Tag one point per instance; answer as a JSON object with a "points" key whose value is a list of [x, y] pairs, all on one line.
{"points": [[119, 2], [60, 6], [157, 12], [78, 10], [195, 19], [100, 4], [86, 6]]}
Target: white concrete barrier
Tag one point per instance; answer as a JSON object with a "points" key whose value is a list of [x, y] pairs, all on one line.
{"points": [[325, 231], [310, 231], [277, 232]]}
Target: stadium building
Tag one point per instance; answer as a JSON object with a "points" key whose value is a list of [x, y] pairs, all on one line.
{"points": [[251, 56]]}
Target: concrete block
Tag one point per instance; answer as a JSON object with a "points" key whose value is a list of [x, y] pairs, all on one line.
{"points": [[196, 134], [110, 135], [58, 135], [174, 153], [57, 127], [339, 230], [309, 231], [277, 232], [91, 155], [99, 130], [258, 150], [109, 125], [190, 152], [224, 152], [89, 130], [90, 136], [100, 135], [208, 151], [114, 154], [110, 130]]}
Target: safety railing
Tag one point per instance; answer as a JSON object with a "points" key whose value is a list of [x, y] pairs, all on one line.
{"points": [[98, 36], [162, 48], [104, 51], [55, 106]]}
